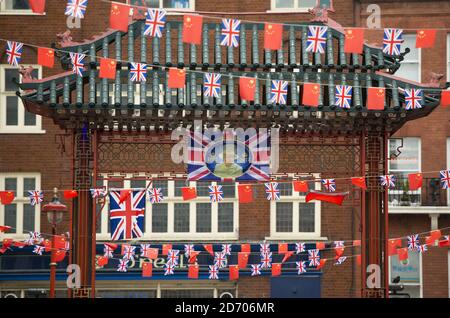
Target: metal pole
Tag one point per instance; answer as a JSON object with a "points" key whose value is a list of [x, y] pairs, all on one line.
{"points": [[53, 265]]}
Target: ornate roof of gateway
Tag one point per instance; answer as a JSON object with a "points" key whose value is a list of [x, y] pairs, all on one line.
{"points": [[72, 101]]}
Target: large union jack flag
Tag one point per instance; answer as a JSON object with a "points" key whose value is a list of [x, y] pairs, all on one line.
{"points": [[392, 41], [76, 8], [413, 98], [388, 181], [272, 191], [126, 218], [35, 197], [445, 179], [343, 96], [155, 22], [14, 52], [413, 242], [230, 32], [212, 85], [155, 195], [138, 72], [215, 193], [278, 92], [77, 63], [329, 184], [317, 38]]}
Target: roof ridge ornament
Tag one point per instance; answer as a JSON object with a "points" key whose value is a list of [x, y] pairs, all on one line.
{"points": [[435, 79], [65, 39], [26, 73], [320, 12]]}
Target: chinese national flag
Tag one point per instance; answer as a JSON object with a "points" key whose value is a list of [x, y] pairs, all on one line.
{"points": [[445, 242], [58, 256], [335, 197], [193, 257], [276, 269], [339, 251], [402, 254], [429, 240], [147, 269], [234, 272], [119, 16], [445, 98], [60, 242], [6, 197], [107, 68], [311, 93], [177, 78], [282, 248], [300, 186], [354, 41], [247, 86], [436, 234], [70, 194], [46, 57], [166, 248], [4, 228], [320, 245], [359, 182], [7, 243], [245, 248], [37, 6], [47, 245], [193, 271], [273, 36], [102, 261], [124, 194], [188, 193], [124, 247], [19, 244], [192, 29], [245, 193], [321, 263], [243, 259], [209, 248], [358, 260], [425, 38], [357, 243], [375, 98], [151, 253], [415, 181], [287, 256]]}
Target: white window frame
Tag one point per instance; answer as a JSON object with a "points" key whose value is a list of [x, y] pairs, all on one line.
{"points": [[192, 235], [20, 128], [161, 3], [295, 8], [4, 11], [20, 201], [407, 59], [420, 275], [295, 199]]}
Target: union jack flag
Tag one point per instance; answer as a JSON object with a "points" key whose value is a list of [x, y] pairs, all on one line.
{"points": [[129, 252], [172, 257], [76, 8], [169, 269], [301, 267], [35, 197], [256, 270], [264, 248], [266, 260], [98, 193], [388, 181], [38, 249], [278, 92], [126, 218], [213, 272], [226, 249], [343, 96], [220, 259], [329, 184], [215, 193], [338, 243], [144, 249], [138, 72], [155, 22], [413, 241], [33, 237], [422, 248], [212, 85], [392, 41], [299, 247], [156, 195], [77, 63], [272, 191], [314, 257], [108, 251], [317, 38], [445, 179], [123, 265], [188, 249], [230, 32], [340, 260], [413, 98], [14, 52]]}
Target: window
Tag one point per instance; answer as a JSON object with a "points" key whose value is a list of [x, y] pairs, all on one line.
{"points": [[20, 215], [166, 4], [15, 7], [298, 5], [410, 66], [410, 272], [14, 119], [292, 217], [175, 219]]}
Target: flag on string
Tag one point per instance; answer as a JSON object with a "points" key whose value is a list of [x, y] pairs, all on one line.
{"points": [[4, 228], [276, 269], [392, 41], [278, 92], [339, 251], [145, 250], [58, 256], [46, 57], [98, 192], [6, 197], [245, 248], [300, 248], [338, 244], [188, 249], [213, 272], [445, 241], [256, 270], [212, 85], [102, 261], [358, 260], [402, 254], [264, 248], [119, 16], [445, 98], [415, 181], [321, 263], [147, 269], [126, 218], [317, 39], [266, 260], [375, 98], [425, 38], [354, 41], [301, 267], [388, 181], [169, 269], [233, 272], [413, 98], [300, 186], [359, 182], [273, 36], [155, 22], [445, 179], [14, 52], [422, 248], [138, 72], [215, 193], [166, 248], [243, 259], [311, 93], [220, 260], [172, 257], [193, 257], [155, 195], [287, 255], [70, 194], [35, 197], [230, 32], [340, 260], [272, 191], [193, 271], [320, 245], [37, 6], [314, 257], [123, 265], [226, 249], [129, 252], [329, 184], [188, 193], [192, 29], [177, 78], [343, 96], [247, 87], [76, 8], [107, 68], [436, 234], [38, 249], [245, 193], [108, 251], [209, 248], [282, 248]]}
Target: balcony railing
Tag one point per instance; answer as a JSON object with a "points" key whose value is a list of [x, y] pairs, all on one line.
{"points": [[431, 194]]}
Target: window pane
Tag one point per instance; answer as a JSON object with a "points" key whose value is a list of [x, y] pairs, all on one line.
{"points": [[408, 160], [163, 184], [181, 217], [307, 3], [285, 188], [203, 217], [410, 42], [178, 185], [284, 217], [28, 184], [148, 3], [17, 4], [228, 189], [115, 184], [177, 4], [12, 111], [225, 217], [30, 118], [11, 184], [203, 188], [306, 217], [159, 218], [137, 184], [11, 217], [11, 73], [409, 71], [284, 3], [28, 218]]}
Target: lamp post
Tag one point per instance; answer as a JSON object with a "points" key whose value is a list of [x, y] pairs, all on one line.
{"points": [[55, 211]]}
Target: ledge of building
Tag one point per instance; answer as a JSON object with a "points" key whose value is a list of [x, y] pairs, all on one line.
{"points": [[419, 209]]}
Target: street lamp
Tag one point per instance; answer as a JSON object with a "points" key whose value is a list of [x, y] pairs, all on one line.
{"points": [[55, 211]]}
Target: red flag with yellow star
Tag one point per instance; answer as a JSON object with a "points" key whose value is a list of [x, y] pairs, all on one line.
{"points": [[192, 29], [245, 193], [354, 41], [107, 68], [177, 78], [311, 94], [247, 86], [425, 38], [375, 98], [415, 181], [46, 57], [273, 36], [119, 17]]}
